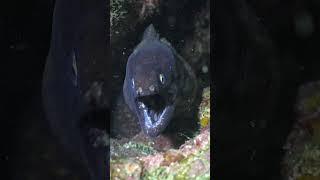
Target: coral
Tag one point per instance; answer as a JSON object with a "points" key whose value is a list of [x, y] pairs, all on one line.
{"points": [[188, 168], [190, 161], [125, 169], [143, 149], [131, 148]]}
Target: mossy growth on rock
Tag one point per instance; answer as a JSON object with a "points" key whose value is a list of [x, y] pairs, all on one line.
{"points": [[118, 11], [305, 163], [130, 149], [204, 108], [125, 169], [121, 13], [140, 147], [194, 166], [190, 161]]}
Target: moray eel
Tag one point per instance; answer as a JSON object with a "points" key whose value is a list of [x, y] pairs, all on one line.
{"points": [[77, 25], [155, 82]]}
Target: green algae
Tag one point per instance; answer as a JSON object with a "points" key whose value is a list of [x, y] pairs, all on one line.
{"points": [[118, 11], [141, 148], [194, 165], [305, 162], [204, 108], [182, 169], [130, 149]]}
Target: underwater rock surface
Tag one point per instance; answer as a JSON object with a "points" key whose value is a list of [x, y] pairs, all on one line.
{"points": [[302, 158], [197, 46], [204, 109], [191, 160], [126, 14]]}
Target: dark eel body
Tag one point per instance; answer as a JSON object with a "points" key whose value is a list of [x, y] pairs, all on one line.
{"points": [[78, 36], [158, 83]]}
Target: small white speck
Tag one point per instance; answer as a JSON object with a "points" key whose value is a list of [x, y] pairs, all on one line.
{"points": [[151, 88], [141, 105], [139, 90], [205, 69]]}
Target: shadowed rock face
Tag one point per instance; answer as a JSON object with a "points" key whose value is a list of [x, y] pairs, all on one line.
{"points": [[78, 41]]}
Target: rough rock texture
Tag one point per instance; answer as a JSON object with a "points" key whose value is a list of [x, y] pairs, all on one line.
{"points": [[302, 158], [197, 46], [204, 108], [126, 14], [191, 160]]}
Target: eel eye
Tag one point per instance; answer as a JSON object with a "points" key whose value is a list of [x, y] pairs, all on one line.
{"points": [[132, 81], [161, 77]]}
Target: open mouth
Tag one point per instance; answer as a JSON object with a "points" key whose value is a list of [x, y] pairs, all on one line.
{"points": [[155, 111], [152, 106]]}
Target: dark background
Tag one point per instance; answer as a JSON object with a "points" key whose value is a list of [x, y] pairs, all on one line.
{"points": [[25, 28], [28, 149], [263, 51]]}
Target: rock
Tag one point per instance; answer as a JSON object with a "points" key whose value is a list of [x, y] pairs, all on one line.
{"points": [[204, 108], [190, 161], [302, 158]]}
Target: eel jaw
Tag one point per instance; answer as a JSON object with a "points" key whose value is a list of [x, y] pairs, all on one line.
{"points": [[154, 112]]}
